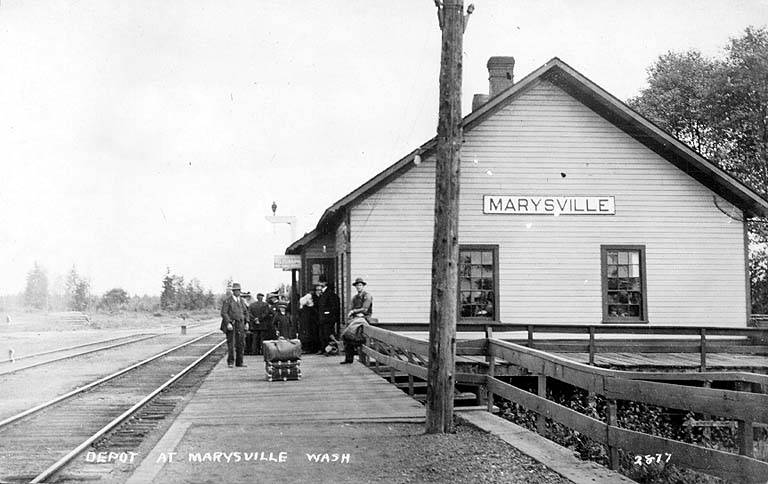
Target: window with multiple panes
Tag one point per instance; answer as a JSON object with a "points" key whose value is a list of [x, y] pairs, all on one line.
{"points": [[320, 270], [624, 297], [478, 279]]}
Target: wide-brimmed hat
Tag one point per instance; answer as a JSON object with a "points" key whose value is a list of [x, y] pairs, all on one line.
{"points": [[236, 286], [359, 280]]}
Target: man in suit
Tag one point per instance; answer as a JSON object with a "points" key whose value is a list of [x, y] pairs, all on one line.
{"points": [[362, 307], [328, 314], [261, 322], [233, 317]]}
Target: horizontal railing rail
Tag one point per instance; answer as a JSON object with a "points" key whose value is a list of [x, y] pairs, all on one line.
{"points": [[751, 340], [408, 355]]}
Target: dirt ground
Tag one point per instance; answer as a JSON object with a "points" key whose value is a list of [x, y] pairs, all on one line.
{"points": [[33, 332], [375, 453]]}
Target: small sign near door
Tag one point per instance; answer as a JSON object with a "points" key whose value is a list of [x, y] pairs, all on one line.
{"points": [[288, 262]]}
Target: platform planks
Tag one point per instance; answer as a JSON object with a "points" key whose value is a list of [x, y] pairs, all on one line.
{"points": [[327, 391], [673, 361]]}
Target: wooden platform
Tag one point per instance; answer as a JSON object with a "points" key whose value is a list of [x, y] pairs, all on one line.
{"points": [[235, 404], [674, 361], [327, 391]]}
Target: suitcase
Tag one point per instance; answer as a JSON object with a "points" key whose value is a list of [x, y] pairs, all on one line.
{"points": [[283, 370], [282, 350]]}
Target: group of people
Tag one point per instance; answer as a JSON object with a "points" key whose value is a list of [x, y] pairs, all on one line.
{"points": [[247, 323]]}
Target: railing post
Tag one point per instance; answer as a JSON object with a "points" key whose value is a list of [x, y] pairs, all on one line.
{"points": [[707, 431], [591, 345], [613, 420], [362, 354], [703, 332], [745, 433], [745, 438], [391, 354], [491, 367], [530, 336], [410, 377], [541, 420]]}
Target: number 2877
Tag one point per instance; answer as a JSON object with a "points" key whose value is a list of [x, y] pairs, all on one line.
{"points": [[649, 459]]}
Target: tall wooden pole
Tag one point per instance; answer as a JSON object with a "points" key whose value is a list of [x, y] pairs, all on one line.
{"points": [[445, 248]]}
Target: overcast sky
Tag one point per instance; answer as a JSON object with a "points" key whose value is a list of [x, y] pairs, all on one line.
{"points": [[139, 135]]}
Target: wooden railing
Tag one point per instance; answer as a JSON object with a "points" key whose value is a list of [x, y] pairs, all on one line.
{"points": [[759, 320], [591, 339], [406, 354]]}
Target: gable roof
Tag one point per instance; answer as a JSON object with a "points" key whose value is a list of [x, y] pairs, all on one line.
{"points": [[606, 105]]}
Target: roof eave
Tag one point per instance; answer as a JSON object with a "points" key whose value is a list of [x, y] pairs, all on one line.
{"points": [[658, 140]]}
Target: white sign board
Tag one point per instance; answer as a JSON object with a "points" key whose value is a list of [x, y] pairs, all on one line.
{"points": [[288, 262], [548, 205]]}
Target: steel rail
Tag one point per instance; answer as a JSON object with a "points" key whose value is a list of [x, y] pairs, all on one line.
{"points": [[157, 335], [166, 330], [97, 382], [75, 355], [117, 421], [67, 348]]}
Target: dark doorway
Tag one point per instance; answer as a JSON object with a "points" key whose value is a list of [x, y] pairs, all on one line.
{"points": [[320, 269]]}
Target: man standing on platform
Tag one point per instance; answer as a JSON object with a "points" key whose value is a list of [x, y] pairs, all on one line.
{"points": [[328, 314], [362, 309], [233, 317], [261, 321]]}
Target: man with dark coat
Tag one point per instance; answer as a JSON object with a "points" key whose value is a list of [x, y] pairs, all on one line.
{"points": [[260, 321], [362, 308], [327, 313], [233, 318]]}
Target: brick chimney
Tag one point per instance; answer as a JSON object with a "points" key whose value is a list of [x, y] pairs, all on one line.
{"points": [[500, 74]]}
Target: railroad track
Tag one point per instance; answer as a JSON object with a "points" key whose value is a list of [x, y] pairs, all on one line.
{"points": [[58, 354], [37, 444]]}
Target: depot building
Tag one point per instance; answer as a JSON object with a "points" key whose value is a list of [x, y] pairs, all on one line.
{"points": [[573, 209]]}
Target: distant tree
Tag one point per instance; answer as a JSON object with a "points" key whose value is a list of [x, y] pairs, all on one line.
{"points": [[678, 98], [168, 296], [740, 108], [178, 295], [196, 296], [78, 291], [758, 269], [181, 301], [115, 298], [36, 291], [720, 108]]}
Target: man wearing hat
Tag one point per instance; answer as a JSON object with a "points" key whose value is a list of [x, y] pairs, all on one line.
{"points": [[327, 312], [260, 319], [362, 307], [233, 314]]}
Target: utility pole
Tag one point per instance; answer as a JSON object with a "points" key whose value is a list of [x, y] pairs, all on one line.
{"points": [[445, 248]]}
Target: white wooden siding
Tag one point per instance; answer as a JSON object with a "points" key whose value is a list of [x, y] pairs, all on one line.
{"points": [[549, 270]]}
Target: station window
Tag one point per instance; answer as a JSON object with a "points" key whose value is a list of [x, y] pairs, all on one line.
{"points": [[478, 281], [624, 293]]}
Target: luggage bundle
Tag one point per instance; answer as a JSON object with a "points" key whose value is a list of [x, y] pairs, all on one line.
{"points": [[283, 370], [282, 359]]}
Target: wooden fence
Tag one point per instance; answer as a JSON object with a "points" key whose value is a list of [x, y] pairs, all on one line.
{"points": [[747, 406]]}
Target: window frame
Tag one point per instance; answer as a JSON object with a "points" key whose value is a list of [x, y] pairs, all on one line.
{"points": [[604, 283], [330, 275], [494, 248]]}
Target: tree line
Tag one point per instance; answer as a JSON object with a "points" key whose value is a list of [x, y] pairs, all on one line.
{"points": [[77, 295], [719, 107]]}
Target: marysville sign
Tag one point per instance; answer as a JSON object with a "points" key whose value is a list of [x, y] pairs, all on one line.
{"points": [[545, 205]]}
